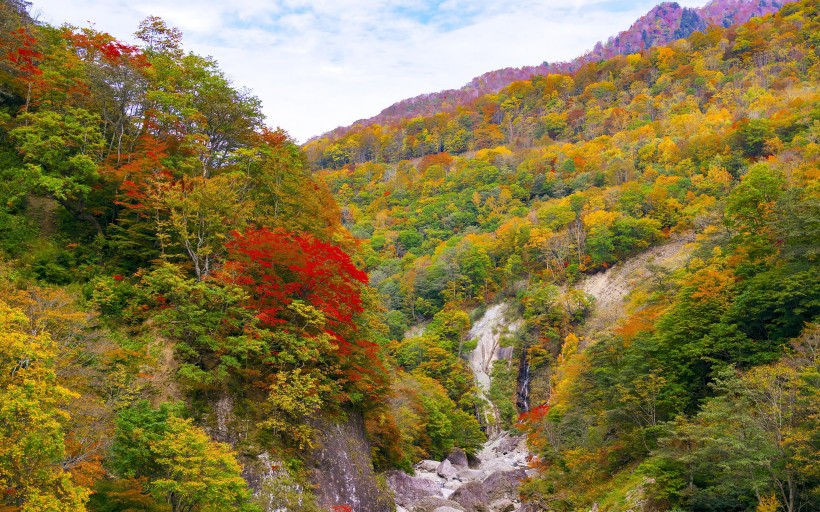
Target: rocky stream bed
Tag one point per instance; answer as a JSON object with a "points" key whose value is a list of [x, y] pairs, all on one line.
{"points": [[486, 483]]}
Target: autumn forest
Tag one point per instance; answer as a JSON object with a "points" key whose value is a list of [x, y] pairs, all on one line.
{"points": [[199, 314]]}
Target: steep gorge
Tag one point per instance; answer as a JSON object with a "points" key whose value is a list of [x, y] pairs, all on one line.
{"points": [[644, 261], [489, 480]]}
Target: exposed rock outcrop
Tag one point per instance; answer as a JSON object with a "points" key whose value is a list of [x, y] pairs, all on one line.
{"points": [[435, 504], [488, 331], [611, 287], [342, 470], [410, 490], [428, 465], [446, 470], [503, 505], [340, 466], [503, 484], [496, 491], [472, 497], [458, 457]]}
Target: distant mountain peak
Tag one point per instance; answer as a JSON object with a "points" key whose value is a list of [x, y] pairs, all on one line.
{"points": [[664, 23]]}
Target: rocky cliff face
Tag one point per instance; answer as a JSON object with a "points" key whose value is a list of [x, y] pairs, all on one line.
{"points": [[488, 331], [611, 288], [342, 468]]}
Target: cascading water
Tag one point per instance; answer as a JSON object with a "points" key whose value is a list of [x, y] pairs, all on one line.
{"points": [[523, 401]]}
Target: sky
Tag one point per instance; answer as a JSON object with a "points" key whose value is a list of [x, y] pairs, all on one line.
{"points": [[319, 64]]}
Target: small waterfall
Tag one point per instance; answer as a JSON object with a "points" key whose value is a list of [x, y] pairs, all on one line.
{"points": [[523, 401]]}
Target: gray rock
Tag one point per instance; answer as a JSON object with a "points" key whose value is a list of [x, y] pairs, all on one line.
{"points": [[458, 457], [509, 444], [446, 470], [465, 475], [505, 353], [341, 467], [433, 504], [427, 465], [448, 509], [498, 464], [452, 485], [472, 497], [503, 505], [429, 476], [408, 490], [503, 484], [274, 487]]}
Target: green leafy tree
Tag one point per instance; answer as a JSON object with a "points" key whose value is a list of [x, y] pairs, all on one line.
{"points": [[181, 465], [195, 473], [749, 442], [61, 153]]}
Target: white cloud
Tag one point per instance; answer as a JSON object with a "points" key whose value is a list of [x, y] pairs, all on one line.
{"points": [[325, 63]]}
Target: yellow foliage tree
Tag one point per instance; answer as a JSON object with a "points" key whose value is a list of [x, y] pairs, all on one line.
{"points": [[32, 420]]}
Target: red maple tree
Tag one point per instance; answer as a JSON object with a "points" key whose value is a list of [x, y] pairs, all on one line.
{"points": [[278, 267]]}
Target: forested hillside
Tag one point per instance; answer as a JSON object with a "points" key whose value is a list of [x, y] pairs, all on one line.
{"points": [[704, 394], [164, 254], [196, 314], [662, 25]]}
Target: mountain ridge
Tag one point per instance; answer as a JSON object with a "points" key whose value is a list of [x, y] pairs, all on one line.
{"points": [[664, 23]]}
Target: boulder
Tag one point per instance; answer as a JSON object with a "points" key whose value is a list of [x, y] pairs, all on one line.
{"points": [[503, 484], [429, 476], [448, 509], [427, 465], [446, 470], [458, 457], [505, 353], [433, 504], [472, 497], [452, 485], [465, 475], [509, 444], [408, 490], [503, 505]]}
